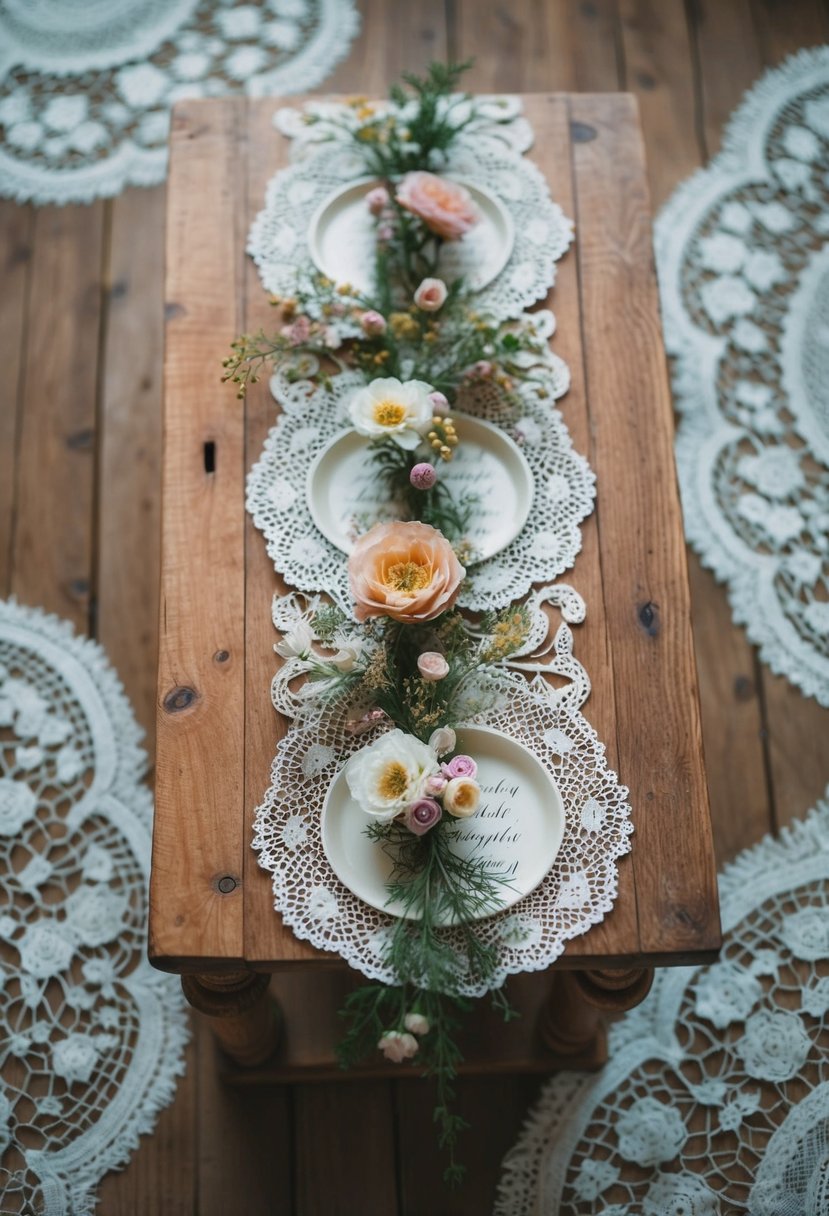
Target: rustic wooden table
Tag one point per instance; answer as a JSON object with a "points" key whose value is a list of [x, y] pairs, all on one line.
{"points": [[212, 916]]}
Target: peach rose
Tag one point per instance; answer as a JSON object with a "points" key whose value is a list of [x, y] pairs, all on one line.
{"points": [[407, 571], [445, 207]]}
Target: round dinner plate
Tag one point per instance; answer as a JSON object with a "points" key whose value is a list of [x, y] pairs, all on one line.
{"points": [[346, 497], [520, 824], [342, 239]]}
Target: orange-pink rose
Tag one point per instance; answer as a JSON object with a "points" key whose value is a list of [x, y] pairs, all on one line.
{"points": [[407, 571], [445, 207]]}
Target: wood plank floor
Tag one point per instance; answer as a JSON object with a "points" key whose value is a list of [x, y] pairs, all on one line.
{"points": [[80, 433]]}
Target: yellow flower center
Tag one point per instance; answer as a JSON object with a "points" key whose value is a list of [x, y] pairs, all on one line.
{"points": [[407, 576], [389, 413], [465, 796], [393, 781]]}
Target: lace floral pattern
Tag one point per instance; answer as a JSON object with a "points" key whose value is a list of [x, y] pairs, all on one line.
{"points": [[93, 1036], [486, 154], [86, 86], [581, 885], [313, 414], [744, 272], [716, 1096]]}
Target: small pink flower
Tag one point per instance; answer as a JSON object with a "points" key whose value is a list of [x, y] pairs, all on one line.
{"points": [[445, 207], [460, 766], [373, 323], [397, 1046], [432, 667], [435, 785], [422, 815], [423, 476], [299, 332], [377, 199], [439, 402], [417, 1023], [359, 726], [385, 232], [431, 295], [481, 370]]}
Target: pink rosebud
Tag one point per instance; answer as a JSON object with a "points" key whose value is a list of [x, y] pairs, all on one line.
{"points": [[439, 402], [417, 1023], [377, 199], [480, 370], [359, 726], [385, 232], [432, 666], [423, 476], [431, 295], [460, 766], [435, 785], [397, 1046], [300, 331], [373, 323], [422, 815]]}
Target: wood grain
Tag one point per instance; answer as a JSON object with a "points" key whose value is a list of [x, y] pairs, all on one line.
{"points": [[647, 601], [129, 481], [198, 841], [16, 225]]}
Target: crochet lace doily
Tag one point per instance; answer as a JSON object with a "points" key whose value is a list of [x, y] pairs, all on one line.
{"points": [[487, 154], [579, 889], [86, 86], [716, 1097], [312, 414], [92, 1037], [744, 273]]}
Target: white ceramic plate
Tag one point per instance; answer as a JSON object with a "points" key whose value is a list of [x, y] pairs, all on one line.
{"points": [[520, 823], [342, 239], [345, 496]]}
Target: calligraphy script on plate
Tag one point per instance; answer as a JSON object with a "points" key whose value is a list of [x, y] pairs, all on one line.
{"points": [[495, 831]]}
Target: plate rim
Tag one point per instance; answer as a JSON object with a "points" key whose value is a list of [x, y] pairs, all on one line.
{"points": [[365, 180], [490, 427], [513, 899]]}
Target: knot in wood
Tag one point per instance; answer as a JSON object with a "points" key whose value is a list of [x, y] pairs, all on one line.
{"points": [[226, 884], [180, 698], [582, 132], [221, 656], [649, 618]]}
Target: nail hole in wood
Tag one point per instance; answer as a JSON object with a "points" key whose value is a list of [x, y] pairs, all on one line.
{"points": [[582, 132], [226, 884], [210, 457], [649, 618], [179, 698]]}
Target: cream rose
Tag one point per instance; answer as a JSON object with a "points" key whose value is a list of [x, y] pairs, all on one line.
{"points": [[462, 797], [445, 207], [389, 408], [389, 774], [431, 295], [406, 571]]}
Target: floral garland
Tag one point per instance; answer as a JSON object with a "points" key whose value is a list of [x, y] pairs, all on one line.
{"points": [[412, 668]]}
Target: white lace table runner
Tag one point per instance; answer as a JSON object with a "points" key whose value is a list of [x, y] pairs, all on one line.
{"points": [[86, 86], [487, 153], [92, 1037], [744, 273], [312, 414], [716, 1097], [577, 892]]}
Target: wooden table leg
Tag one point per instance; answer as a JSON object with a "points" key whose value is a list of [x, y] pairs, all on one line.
{"points": [[571, 1021], [244, 1018]]}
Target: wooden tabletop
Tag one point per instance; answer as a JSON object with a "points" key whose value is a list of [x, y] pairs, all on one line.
{"points": [[211, 906]]}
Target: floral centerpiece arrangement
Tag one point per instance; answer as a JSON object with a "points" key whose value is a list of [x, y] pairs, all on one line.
{"points": [[410, 671], [420, 341]]}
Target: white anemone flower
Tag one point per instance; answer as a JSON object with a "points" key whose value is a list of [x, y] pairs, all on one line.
{"points": [[349, 652], [389, 774], [297, 642], [389, 408]]}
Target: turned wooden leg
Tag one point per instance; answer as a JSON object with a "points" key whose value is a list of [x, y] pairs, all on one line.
{"points": [[244, 1018], [571, 1021]]}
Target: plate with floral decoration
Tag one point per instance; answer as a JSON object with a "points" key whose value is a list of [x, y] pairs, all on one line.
{"points": [[346, 497], [342, 238], [519, 825]]}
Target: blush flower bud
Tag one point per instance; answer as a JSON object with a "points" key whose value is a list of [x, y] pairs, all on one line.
{"points": [[416, 1023], [439, 402], [377, 199], [460, 766], [422, 815], [397, 1046], [432, 667], [373, 323], [423, 476], [431, 295]]}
